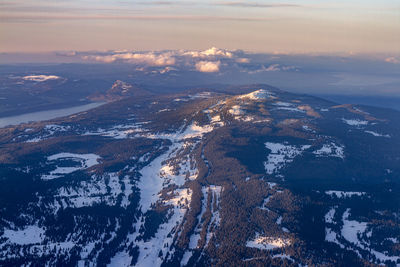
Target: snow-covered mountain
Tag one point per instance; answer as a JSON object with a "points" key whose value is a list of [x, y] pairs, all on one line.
{"points": [[251, 178]]}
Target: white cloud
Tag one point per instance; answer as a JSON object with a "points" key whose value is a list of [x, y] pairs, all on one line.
{"points": [[212, 52], [208, 66], [150, 59], [392, 60]]}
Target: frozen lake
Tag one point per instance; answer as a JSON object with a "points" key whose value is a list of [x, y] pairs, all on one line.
{"points": [[45, 115]]}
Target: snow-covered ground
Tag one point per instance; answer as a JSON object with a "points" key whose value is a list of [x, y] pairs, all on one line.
{"points": [[121, 131], [330, 150], [164, 110], [31, 234], [216, 120], [150, 250], [172, 168], [201, 95], [283, 104], [195, 237], [352, 229], [281, 154], [192, 97], [215, 219], [268, 243], [283, 256], [99, 189], [239, 114], [330, 215], [308, 129], [378, 134], [344, 194], [291, 109], [83, 161], [236, 110], [354, 233], [159, 173], [40, 78], [331, 236], [258, 95], [48, 131], [265, 203], [355, 122], [215, 192]]}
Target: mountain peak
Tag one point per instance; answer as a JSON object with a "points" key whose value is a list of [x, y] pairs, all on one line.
{"points": [[258, 95]]}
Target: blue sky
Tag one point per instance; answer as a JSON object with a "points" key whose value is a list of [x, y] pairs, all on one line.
{"points": [[260, 26]]}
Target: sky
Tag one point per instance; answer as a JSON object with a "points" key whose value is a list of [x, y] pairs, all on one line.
{"points": [[292, 26]]}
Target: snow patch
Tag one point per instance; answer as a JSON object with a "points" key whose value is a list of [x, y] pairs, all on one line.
{"points": [[236, 110], [83, 161], [283, 104], [104, 188], [332, 150], [344, 194], [258, 95], [120, 131], [268, 243], [352, 229], [378, 134], [40, 78], [331, 236], [330, 215], [31, 234], [281, 154], [291, 109], [355, 122]]}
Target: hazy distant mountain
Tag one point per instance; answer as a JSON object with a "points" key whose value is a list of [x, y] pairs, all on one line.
{"points": [[244, 176], [119, 90]]}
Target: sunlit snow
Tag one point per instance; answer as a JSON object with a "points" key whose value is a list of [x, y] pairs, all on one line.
{"points": [[268, 243]]}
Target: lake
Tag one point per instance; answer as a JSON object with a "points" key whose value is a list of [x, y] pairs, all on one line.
{"points": [[45, 115]]}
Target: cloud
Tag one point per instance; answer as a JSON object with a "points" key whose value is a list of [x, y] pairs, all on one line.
{"points": [[212, 52], [392, 60], [208, 66], [208, 60], [66, 53], [150, 59], [242, 60]]}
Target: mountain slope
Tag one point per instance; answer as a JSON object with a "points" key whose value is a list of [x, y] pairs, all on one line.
{"points": [[264, 177]]}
